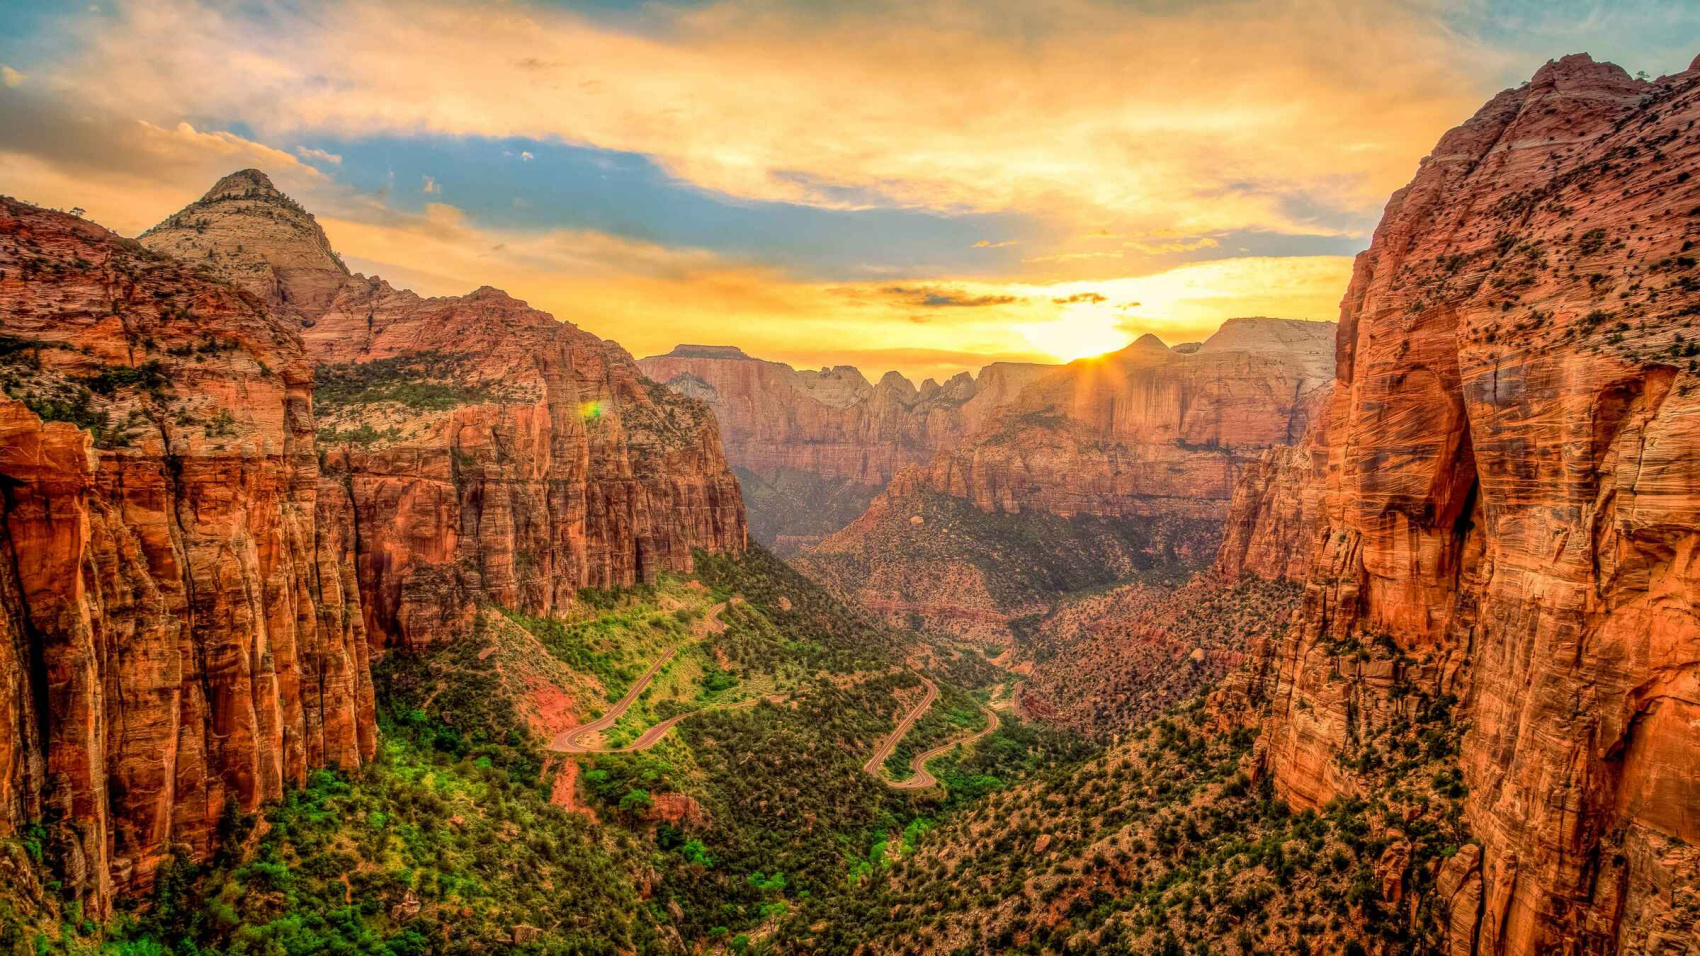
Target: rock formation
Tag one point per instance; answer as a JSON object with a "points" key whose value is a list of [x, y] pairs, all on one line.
{"points": [[181, 632], [255, 236], [1143, 431], [1511, 502], [814, 447], [1096, 472], [483, 451], [192, 588]]}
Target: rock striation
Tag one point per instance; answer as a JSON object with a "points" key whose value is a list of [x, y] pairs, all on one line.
{"points": [[1105, 469], [481, 450], [1143, 431], [813, 447], [181, 633], [198, 568], [1511, 503]]}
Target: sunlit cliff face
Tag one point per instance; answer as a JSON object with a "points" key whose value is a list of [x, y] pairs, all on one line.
{"points": [[926, 185]]}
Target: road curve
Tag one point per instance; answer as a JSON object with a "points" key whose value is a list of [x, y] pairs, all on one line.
{"points": [[653, 735], [891, 740], [920, 778], [570, 741]]}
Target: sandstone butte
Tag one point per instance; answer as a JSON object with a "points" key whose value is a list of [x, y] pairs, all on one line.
{"points": [[192, 598], [1147, 444], [827, 441], [1507, 486]]}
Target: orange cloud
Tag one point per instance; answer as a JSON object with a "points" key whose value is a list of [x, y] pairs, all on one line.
{"points": [[651, 297], [1196, 120]]}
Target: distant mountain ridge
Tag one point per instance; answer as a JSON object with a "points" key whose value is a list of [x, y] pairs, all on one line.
{"points": [[1148, 435], [811, 446]]}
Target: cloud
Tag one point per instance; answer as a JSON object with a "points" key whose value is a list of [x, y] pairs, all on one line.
{"points": [[431, 186], [129, 174], [10, 77], [940, 298], [526, 157], [1074, 256], [1201, 118], [651, 297], [1161, 248], [308, 152], [988, 244]]}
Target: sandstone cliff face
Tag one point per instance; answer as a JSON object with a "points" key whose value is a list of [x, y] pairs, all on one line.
{"points": [[179, 634], [482, 450], [1275, 515], [1512, 498], [1096, 472], [812, 448], [1144, 431], [832, 422]]}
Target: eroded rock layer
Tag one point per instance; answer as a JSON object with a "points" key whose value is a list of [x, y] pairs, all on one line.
{"points": [[814, 447], [483, 451], [180, 634], [832, 422], [1145, 431], [1511, 503], [1096, 472]]}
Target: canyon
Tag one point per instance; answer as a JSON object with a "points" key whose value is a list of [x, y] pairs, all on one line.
{"points": [[812, 448], [1103, 470], [1502, 496], [205, 551]]}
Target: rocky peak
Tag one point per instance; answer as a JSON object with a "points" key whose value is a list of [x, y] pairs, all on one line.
{"points": [[245, 184], [256, 237], [1580, 72], [893, 383], [1148, 343]]}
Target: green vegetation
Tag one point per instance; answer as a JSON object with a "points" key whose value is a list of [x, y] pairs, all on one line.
{"points": [[1163, 845], [423, 381]]}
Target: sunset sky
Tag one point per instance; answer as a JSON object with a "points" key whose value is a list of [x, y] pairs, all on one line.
{"points": [[920, 185]]}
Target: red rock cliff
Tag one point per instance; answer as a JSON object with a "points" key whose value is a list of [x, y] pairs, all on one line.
{"points": [[179, 633], [480, 449], [1512, 496], [1144, 431], [832, 422]]}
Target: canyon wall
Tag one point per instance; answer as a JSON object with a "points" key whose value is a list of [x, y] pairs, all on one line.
{"points": [[832, 422], [1104, 470], [812, 448], [1511, 502], [230, 471], [1147, 430], [483, 450], [180, 636]]}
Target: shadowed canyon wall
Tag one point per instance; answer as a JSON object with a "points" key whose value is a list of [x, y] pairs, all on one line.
{"points": [[1507, 489]]}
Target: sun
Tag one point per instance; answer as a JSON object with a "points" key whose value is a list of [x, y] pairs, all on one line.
{"points": [[1080, 332]]}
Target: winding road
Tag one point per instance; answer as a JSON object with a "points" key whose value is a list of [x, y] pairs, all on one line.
{"points": [[577, 740], [920, 778], [891, 740], [571, 740]]}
